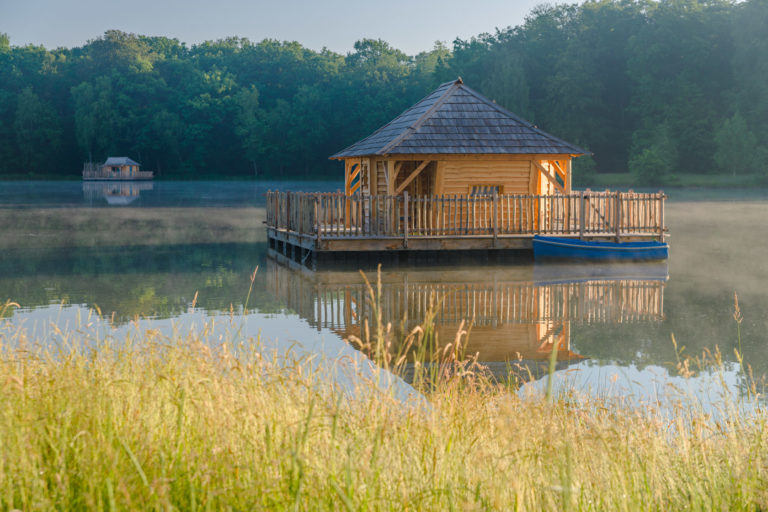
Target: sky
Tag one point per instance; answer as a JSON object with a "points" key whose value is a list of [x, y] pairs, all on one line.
{"points": [[409, 25]]}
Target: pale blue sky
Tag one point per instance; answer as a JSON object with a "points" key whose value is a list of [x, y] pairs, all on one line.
{"points": [[410, 25]]}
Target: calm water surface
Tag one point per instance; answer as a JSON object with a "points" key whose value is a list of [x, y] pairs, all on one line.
{"points": [[175, 255]]}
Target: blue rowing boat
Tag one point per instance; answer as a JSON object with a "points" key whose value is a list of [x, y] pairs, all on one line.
{"points": [[550, 247]]}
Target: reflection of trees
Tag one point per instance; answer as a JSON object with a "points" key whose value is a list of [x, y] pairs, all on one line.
{"points": [[158, 281]]}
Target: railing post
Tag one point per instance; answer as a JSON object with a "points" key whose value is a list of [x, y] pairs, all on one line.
{"points": [[661, 216], [581, 216], [405, 219], [495, 217], [318, 208], [300, 214], [618, 216], [288, 211], [276, 200]]}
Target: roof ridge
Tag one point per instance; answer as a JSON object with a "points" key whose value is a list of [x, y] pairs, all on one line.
{"points": [[384, 126], [423, 117]]}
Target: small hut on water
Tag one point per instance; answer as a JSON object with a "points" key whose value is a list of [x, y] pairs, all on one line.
{"points": [[458, 142], [116, 168], [455, 171]]}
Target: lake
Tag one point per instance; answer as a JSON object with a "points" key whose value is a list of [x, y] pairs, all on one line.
{"points": [[176, 255]]}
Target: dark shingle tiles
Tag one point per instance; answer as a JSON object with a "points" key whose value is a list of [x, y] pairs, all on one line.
{"points": [[454, 119]]}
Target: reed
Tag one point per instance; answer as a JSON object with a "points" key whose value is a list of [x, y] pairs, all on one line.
{"points": [[150, 422]]}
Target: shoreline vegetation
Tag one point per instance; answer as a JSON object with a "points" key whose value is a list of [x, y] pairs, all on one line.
{"points": [[649, 88], [185, 421], [595, 181]]}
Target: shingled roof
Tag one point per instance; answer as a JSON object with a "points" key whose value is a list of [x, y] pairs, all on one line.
{"points": [[455, 119], [120, 160]]}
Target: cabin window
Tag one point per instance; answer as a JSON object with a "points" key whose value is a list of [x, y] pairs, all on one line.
{"points": [[485, 190]]}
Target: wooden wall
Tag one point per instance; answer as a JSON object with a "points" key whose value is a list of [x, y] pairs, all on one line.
{"points": [[458, 177], [379, 181], [457, 174]]}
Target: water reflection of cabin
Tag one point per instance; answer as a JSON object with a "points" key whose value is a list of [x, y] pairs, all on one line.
{"points": [[115, 193], [116, 168], [455, 171], [513, 315]]}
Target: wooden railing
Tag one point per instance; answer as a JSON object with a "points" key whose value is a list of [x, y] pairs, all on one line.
{"points": [[591, 301], [109, 175], [579, 214]]}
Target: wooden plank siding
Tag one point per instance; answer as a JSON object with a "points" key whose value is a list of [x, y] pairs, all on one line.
{"points": [[459, 176]]}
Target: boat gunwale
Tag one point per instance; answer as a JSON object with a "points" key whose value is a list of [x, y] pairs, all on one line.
{"points": [[601, 244]]}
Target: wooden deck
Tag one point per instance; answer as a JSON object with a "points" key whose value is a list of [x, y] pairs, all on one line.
{"points": [[111, 176], [302, 223]]}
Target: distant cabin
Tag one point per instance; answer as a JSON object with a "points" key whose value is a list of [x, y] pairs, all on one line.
{"points": [[456, 141], [120, 165], [116, 168]]}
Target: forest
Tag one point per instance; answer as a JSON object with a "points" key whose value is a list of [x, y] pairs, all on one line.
{"points": [[651, 88]]}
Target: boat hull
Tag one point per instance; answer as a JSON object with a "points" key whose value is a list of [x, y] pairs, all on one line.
{"points": [[545, 247]]}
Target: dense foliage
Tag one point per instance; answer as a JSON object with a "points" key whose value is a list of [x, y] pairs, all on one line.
{"points": [[650, 87]]}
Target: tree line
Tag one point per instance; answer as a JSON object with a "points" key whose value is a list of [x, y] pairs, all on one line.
{"points": [[655, 88]]}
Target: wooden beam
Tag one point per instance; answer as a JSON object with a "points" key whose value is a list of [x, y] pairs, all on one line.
{"points": [[393, 168], [560, 170], [347, 165], [551, 178], [398, 166], [474, 157], [411, 177], [389, 165], [373, 177], [532, 181]]}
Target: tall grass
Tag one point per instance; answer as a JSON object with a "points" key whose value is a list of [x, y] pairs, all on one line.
{"points": [[154, 422]]}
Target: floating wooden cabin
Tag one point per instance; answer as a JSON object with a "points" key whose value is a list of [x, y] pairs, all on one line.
{"points": [[116, 168], [515, 313], [456, 171]]}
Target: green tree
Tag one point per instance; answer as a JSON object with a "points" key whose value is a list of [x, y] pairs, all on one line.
{"points": [[654, 156], [738, 151], [160, 142], [681, 72], [604, 74], [120, 50], [251, 128], [95, 118], [750, 64], [38, 132]]}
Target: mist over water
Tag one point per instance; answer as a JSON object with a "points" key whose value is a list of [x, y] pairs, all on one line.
{"points": [[154, 252]]}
